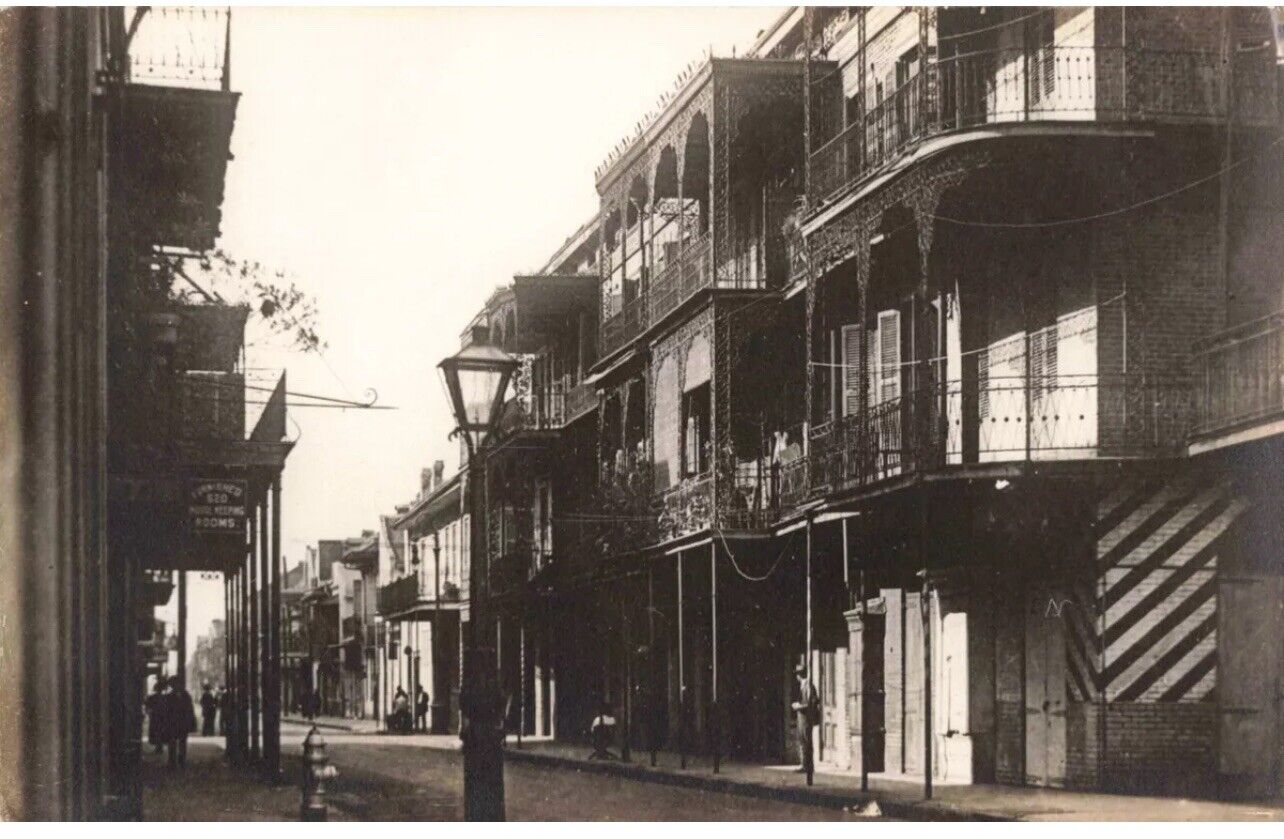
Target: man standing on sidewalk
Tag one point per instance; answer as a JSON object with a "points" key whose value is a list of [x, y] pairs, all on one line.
{"points": [[421, 710], [808, 710], [209, 710]]}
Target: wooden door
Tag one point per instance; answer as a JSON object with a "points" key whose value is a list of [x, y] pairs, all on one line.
{"points": [[1045, 692], [874, 716], [1250, 625]]}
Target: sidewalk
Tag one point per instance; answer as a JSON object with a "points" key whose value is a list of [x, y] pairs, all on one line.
{"points": [[209, 789], [897, 799]]}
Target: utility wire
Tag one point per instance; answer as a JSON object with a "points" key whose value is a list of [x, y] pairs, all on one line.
{"points": [[1037, 225]]}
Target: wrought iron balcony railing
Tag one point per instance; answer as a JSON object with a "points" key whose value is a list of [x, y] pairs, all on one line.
{"points": [[1002, 420], [689, 273], [623, 326], [687, 507], [1053, 84], [181, 46], [580, 399], [398, 595], [1240, 377]]}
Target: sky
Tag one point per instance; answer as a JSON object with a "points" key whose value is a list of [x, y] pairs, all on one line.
{"points": [[399, 164]]}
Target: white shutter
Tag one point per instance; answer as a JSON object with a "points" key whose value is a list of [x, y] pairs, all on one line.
{"points": [[889, 355], [871, 341], [851, 368]]}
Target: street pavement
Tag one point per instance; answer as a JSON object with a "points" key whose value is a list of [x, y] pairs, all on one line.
{"points": [[420, 778]]}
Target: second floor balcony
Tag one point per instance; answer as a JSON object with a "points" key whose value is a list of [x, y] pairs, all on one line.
{"points": [[1239, 379], [1002, 421], [408, 592]]}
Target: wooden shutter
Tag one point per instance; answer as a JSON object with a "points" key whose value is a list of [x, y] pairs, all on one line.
{"points": [[983, 383], [851, 368], [871, 341], [889, 355]]}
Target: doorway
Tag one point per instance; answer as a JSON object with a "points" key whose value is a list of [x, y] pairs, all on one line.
{"points": [[1250, 622], [1045, 690]]}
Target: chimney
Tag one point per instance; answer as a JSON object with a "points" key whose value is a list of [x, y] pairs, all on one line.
{"points": [[438, 468], [425, 479]]}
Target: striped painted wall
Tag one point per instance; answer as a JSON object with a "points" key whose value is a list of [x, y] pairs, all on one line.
{"points": [[1144, 629]]}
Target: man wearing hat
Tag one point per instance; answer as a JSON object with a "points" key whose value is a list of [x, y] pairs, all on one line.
{"points": [[808, 710]]}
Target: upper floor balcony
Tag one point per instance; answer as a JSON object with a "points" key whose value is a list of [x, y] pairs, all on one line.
{"points": [[173, 117], [413, 590], [1239, 377], [697, 198], [1052, 83], [993, 421], [539, 403]]}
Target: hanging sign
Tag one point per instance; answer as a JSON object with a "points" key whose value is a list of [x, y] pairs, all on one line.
{"points": [[217, 506]]}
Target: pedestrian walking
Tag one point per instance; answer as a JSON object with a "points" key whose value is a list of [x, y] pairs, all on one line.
{"points": [[807, 709], [421, 710], [154, 703], [209, 710], [180, 718]]}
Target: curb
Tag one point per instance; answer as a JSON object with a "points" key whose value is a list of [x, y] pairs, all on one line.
{"points": [[911, 810], [325, 726]]}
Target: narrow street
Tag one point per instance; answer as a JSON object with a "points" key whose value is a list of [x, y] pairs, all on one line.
{"points": [[395, 778]]}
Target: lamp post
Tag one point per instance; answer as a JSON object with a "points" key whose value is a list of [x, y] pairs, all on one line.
{"points": [[476, 380]]}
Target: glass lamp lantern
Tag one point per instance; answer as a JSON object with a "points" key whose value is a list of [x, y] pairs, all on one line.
{"points": [[476, 380]]}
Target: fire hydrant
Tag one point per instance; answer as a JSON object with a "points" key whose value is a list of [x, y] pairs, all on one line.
{"points": [[316, 771]]}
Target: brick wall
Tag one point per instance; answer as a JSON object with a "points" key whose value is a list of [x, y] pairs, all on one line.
{"points": [[1167, 259], [1083, 746], [1162, 748]]}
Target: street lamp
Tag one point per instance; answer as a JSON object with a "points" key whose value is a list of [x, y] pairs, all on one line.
{"points": [[476, 380]]}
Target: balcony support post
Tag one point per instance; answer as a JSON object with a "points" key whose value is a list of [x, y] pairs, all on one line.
{"points": [[682, 675], [715, 722], [652, 715], [273, 718]]}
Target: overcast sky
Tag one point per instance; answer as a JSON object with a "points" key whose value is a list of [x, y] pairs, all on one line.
{"points": [[400, 164]]}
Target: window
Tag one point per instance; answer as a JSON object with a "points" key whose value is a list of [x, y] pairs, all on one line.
{"points": [[885, 358], [696, 441], [851, 335]]}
